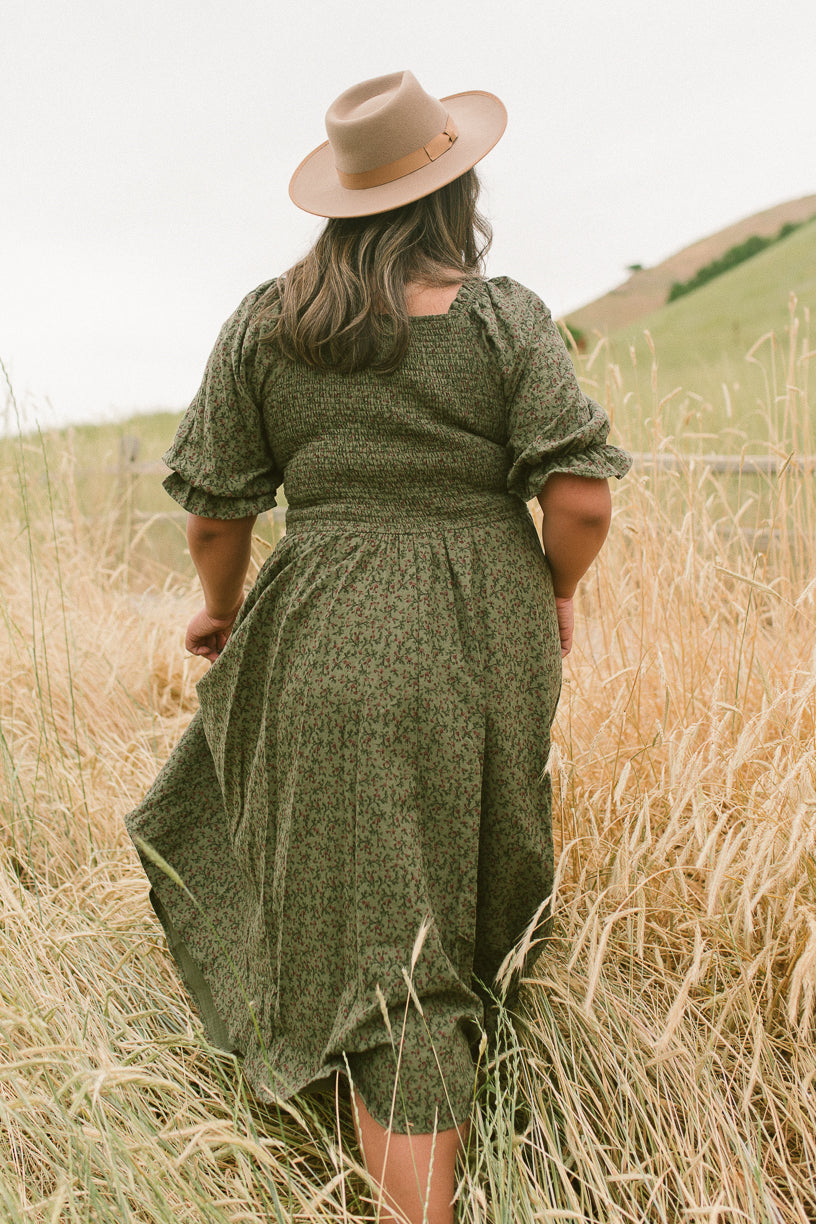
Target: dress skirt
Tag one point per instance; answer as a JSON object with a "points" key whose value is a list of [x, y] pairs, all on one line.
{"points": [[355, 828]]}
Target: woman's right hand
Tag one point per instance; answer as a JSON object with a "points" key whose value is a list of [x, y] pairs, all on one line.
{"points": [[207, 635], [566, 623]]}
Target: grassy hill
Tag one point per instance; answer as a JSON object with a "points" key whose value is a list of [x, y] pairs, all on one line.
{"points": [[647, 290], [716, 352]]}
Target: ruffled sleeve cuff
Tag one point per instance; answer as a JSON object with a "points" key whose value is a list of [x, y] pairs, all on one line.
{"points": [[583, 452], [253, 498]]}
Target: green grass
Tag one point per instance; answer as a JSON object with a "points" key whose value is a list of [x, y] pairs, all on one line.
{"points": [[716, 355], [121, 504], [154, 430]]}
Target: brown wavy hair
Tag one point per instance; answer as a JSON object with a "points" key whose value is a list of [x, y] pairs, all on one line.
{"points": [[342, 307]]}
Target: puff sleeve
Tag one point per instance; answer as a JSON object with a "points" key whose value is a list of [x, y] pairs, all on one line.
{"points": [[553, 425], [221, 459]]}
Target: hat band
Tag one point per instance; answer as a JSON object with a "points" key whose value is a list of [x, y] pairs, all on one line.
{"points": [[403, 165]]}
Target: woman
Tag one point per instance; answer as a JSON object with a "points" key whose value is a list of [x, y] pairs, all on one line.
{"points": [[359, 810]]}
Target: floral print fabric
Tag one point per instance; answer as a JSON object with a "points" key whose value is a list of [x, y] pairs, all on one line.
{"points": [[368, 760]]}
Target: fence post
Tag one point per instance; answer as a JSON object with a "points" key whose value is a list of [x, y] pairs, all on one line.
{"points": [[129, 447]]}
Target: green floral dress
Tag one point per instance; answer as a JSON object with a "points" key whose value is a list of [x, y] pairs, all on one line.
{"points": [[368, 761]]}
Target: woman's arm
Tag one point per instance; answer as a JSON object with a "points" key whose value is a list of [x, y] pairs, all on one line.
{"points": [[220, 549], [577, 511]]}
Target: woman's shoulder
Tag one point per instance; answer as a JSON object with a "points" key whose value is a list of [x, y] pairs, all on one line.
{"points": [[239, 343], [509, 313], [246, 322], [256, 305], [510, 295]]}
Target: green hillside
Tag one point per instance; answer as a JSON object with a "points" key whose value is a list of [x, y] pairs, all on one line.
{"points": [[647, 289], [702, 343]]}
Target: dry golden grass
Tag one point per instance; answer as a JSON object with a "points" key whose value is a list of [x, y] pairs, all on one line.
{"points": [[662, 1065]]}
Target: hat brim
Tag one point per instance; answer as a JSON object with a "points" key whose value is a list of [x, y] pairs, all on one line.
{"points": [[480, 118]]}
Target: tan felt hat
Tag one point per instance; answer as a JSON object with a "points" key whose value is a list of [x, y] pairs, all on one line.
{"points": [[390, 143]]}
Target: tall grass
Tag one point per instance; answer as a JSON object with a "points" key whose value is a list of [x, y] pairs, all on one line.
{"points": [[661, 1063]]}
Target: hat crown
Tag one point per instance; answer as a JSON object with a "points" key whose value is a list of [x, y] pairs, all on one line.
{"points": [[381, 120]]}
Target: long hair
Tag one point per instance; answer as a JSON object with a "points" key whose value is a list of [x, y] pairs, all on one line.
{"points": [[342, 307]]}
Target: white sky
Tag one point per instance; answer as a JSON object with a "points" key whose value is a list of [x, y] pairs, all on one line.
{"points": [[146, 148]]}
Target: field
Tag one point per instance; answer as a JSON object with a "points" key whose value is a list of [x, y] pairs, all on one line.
{"points": [[761, 308], [662, 1065], [647, 289]]}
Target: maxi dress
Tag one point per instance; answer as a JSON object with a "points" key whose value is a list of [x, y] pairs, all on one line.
{"points": [[358, 812]]}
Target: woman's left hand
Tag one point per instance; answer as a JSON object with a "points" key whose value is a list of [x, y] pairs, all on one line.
{"points": [[207, 635]]}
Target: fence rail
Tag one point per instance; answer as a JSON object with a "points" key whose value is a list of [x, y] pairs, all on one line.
{"points": [[729, 465], [130, 466], [726, 465]]}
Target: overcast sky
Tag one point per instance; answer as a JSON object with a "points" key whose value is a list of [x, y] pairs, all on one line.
{"points": [[146, 148]]}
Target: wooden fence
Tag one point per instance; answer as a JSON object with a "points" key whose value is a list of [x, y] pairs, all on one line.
{"points": [[130, 467], [760, 539], [727, 465]]}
